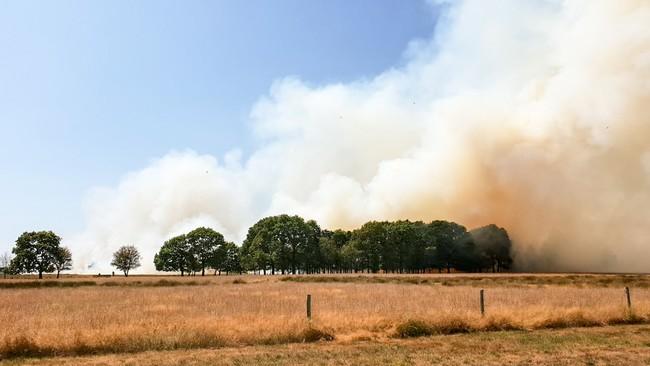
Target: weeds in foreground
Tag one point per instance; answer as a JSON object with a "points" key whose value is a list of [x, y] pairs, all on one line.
{"points": [[22, 346], [454, 325]]}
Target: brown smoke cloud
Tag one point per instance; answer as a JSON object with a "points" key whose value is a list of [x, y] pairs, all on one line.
{"points": [[534, 116]]}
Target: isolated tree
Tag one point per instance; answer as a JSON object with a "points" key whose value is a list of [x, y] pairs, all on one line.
{"points": [[62, 260], [5, 262], [126, 258], [35, 252]]}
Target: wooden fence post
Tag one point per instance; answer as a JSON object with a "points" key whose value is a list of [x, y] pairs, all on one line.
{"points": [[482, 303], [309, 307], [629, 299]]}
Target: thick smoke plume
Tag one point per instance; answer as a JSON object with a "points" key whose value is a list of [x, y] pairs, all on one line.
{"points": [[531, 115]]}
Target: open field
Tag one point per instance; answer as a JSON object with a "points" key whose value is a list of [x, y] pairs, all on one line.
{"points": [[139, 314]]}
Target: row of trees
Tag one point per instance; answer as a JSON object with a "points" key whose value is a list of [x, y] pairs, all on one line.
{"points": [[196, 251], [289, 244], [41, 252]]}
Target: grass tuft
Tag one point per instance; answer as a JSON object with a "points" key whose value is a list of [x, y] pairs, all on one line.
{"points": [[413, 328], [21, 346], [311, 334]]}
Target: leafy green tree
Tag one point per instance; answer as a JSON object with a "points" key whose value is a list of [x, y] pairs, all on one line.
{"points": [[282, 242], [309, 248], [371, 240], [422, 254], [351, 256], [126, 259], [62, 260], [35, 252], [258, 247], [231, 262], [447, 236], [329, 253], [175, 256], [331, 247], [204, 244], [407, 248]]}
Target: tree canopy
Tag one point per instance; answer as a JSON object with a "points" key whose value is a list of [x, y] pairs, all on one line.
{"points": [[126, 258], [291, 244], [36, 252], [62, 260], [196, 251], [283, 242]]}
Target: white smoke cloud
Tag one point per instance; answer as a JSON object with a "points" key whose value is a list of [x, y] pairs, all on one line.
{"points": [[531, 115]]}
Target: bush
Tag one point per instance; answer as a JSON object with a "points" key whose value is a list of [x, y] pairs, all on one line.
{"points": [[312, 334], [21, 346], [413, 328]]}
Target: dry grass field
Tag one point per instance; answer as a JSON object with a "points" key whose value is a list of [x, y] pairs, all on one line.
{"points": [[612, 346], [90, 315]]}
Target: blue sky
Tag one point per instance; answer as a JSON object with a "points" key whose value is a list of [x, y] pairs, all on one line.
{"points": [[90, 90]]}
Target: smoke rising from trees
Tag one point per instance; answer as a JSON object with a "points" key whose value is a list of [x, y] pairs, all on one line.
{"points": [[531, 115]]}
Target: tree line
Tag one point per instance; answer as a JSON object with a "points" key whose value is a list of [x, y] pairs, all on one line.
{"points": [[290, 244]]}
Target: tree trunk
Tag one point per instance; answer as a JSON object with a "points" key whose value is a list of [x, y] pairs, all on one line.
{"points": [[203, 271], [40, 275], [57, 274]]}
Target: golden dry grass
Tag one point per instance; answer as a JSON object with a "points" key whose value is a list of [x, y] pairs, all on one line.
{"points": [[263, 310], [617, 346]]}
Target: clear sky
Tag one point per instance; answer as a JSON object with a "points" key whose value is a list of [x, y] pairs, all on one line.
{"points": [[90, 90]]}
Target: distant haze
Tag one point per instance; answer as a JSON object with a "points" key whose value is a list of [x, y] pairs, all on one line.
{"points": [[531, 115]]}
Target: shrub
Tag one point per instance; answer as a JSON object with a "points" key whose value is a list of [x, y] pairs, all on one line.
{"points": [[413, 328], [311, 334]]}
